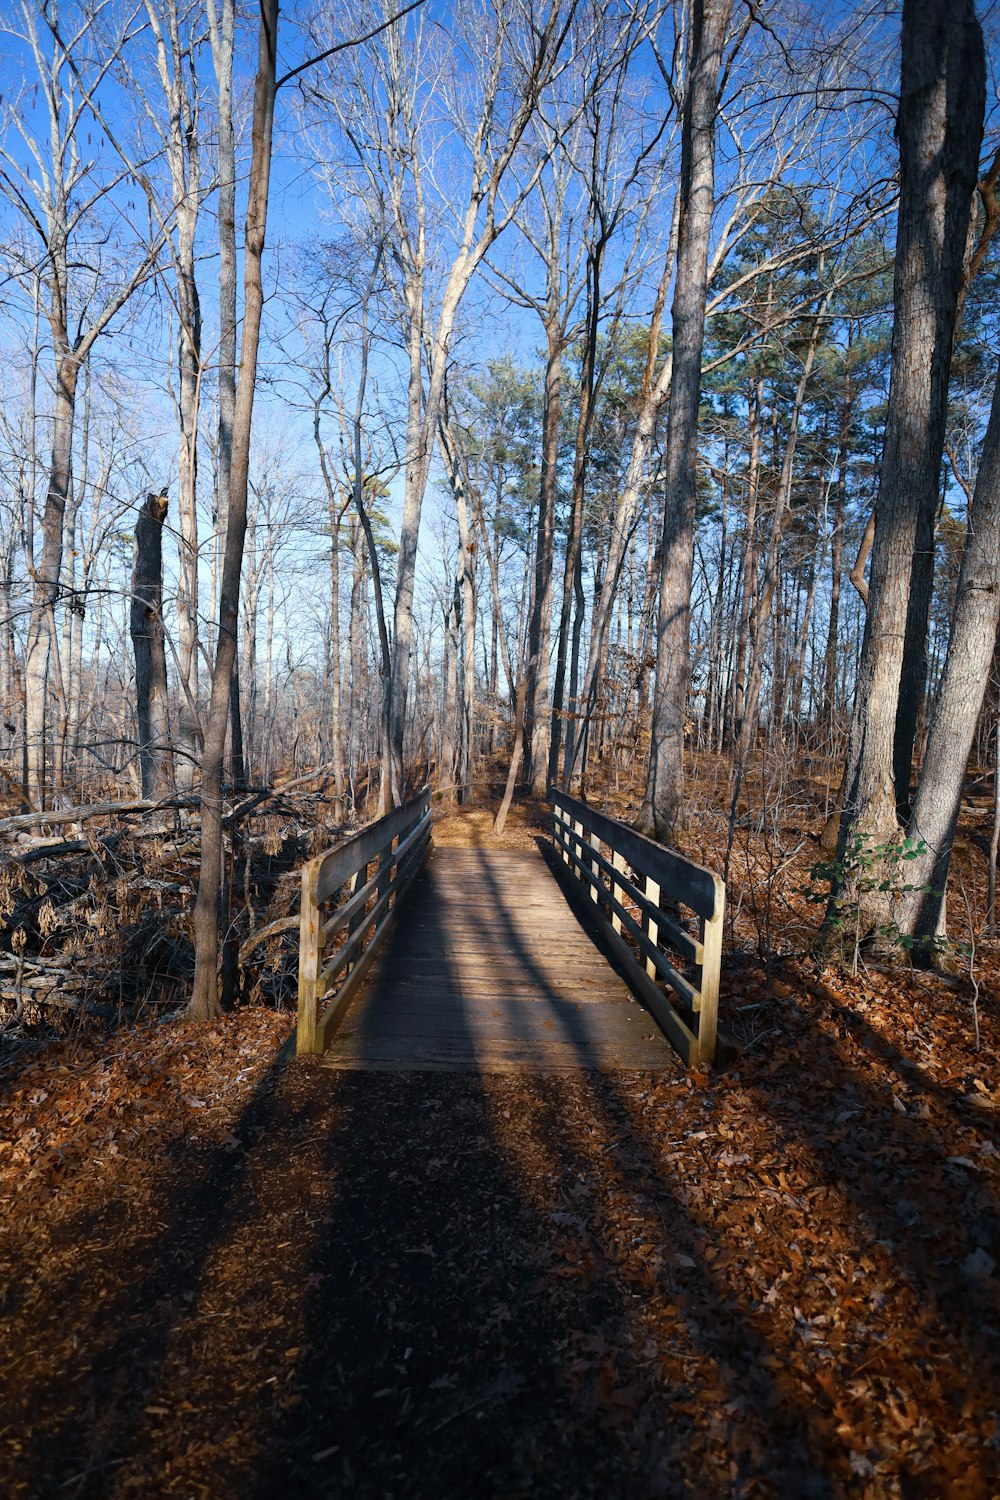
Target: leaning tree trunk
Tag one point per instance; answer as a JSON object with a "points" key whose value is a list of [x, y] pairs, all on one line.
{"points": [[146, 626], [205, 998], [663, 801], [960, 697], [940, 127]]}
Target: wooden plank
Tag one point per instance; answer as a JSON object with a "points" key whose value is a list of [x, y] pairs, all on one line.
{"points": [[448, 996], [525, 1020], [651, 921], [648, 902], [708, 1014], [306, 1040], [337, 865], [486, 1060], [338, 1007], [684, 880], [661, 965]]}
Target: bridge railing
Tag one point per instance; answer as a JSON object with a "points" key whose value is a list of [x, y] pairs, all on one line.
{"points": [[355, 929], [629, 879]]}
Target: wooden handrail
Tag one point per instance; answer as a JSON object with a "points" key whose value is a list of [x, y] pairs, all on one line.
{"points": [[398, 843], [631, 868]]}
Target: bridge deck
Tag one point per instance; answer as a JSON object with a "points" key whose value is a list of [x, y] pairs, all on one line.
{"points": [[489, 969]]}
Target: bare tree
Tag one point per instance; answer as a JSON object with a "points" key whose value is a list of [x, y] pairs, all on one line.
{"points": [[663, 801], [58, 194], [378, 104], [205, 994]]}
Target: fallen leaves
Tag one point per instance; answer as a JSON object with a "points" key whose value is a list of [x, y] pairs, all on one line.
{"points": [[221, 1277]]}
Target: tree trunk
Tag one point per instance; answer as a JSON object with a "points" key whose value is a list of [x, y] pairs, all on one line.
{"points": [[663, 801], [537, 699], [469, 611], [913, 671], [46, 573], [359, 656], [148, 645], [336, 710], [574, 538], [748, 583], [448, 752], [837, 555], [960, 696], [205, 998], [940, 126]]}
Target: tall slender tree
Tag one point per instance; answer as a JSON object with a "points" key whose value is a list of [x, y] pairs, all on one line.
{"points": [[663, 801], [205, 1001]]}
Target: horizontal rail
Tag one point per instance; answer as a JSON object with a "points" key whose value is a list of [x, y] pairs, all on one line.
{"points": [[610, 864], [397, 845], [660, 962]]}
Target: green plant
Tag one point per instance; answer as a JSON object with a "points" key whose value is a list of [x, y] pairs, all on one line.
{"points": [[868, 866]]}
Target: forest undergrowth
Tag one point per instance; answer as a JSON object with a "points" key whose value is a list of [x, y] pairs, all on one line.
{"points": [[227, 1272]]}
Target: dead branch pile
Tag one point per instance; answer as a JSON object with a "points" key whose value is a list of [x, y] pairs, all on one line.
{"points": [[96, 902]]}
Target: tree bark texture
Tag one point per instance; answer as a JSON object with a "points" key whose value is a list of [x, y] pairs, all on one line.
{"points": [[537, 709], [46, 572], [960, 696], [146, 627], [940, 126]]}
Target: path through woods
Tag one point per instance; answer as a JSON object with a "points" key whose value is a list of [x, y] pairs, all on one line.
{"points": [[226, 1274], [490, 969]]}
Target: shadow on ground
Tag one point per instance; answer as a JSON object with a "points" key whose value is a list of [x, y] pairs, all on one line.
{"points": [[576, 1285]]}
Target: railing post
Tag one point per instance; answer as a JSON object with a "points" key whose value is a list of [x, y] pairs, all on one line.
{"points": [[595, 890], [711, 966], [618, 860], [309, 964], [356, 881], [652, 890], [385, 867], [578, 850]]}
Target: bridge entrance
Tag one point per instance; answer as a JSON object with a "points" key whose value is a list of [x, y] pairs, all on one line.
{"points": [[489, 969]]}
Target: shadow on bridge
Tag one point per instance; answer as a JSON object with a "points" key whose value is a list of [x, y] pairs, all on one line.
{"points": [[472, 1326], [489, 967]]}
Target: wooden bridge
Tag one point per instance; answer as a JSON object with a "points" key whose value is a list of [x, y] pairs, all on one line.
{"points": [[506, 961]]}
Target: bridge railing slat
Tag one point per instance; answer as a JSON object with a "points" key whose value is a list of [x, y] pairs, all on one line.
{"points": [[396, 844], [627, 878]]}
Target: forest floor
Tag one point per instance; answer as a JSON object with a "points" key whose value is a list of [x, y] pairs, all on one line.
{"points": [[227, 1272]]}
